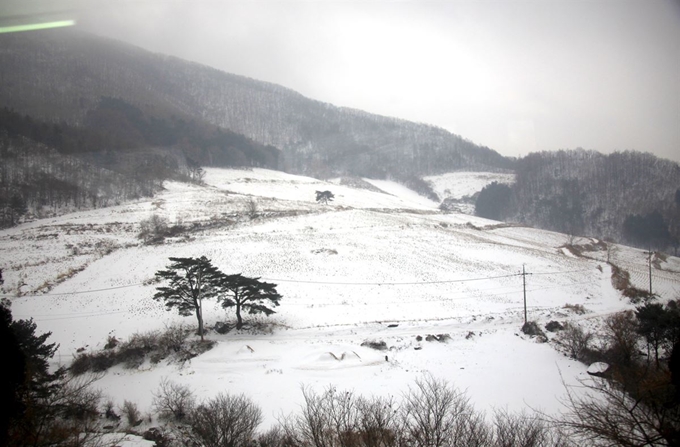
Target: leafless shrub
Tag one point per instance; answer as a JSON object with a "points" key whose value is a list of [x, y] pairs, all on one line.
{"points": [[131, 413], [154, 345], [134, 350], [554, 326], [621, 281], [95, 362], [523, 430], [575, 342], [153, 229], [379, 345], [174, 336], [435, 414], [315, 423], [606, 415], [251, 208], [326, 419], [111, 342], [226, 421], [173, 401], [533, 329], [110, 412], [78, 399], [68, 415], [274, 437], [622, 338], [378, 422], [576, 308]]}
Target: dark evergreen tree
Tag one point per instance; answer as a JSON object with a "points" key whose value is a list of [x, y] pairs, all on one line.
{"points": [[654, 325], [38, 354], [493, 201], [14, 375], [39, 407], [191, 281], [248, 294], [324, 197]]}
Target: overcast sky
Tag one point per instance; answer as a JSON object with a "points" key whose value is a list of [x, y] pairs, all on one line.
{"points": [[517, 76]]}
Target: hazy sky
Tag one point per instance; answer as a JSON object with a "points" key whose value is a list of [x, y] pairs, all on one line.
{"points": [[517, 76]]}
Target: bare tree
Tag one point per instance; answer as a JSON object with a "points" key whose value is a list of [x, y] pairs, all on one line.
{"points": [[438, 415], [226, 421], [622, 338], [525, 430], [173, 401], [378, 422], [606, 415], [575, 341], [251, 208]]}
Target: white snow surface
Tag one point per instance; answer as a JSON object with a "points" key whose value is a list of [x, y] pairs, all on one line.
{"points": [[368, 266], [462, 184]]}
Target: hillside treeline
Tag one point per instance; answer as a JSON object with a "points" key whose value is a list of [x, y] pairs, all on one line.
{"points": [[62, 74], [119, 153], [629, 196]]}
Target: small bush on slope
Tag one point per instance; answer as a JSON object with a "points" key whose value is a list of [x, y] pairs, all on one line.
{"points": [[225, 421], [173, 401], [172, 343]]}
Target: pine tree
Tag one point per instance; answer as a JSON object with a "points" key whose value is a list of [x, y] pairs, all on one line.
{"points": [[324, 197], [191, 282], [248, 294]]}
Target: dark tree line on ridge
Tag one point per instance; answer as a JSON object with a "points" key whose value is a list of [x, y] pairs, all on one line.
{"points": [[315, 138], [630, 197], [120, 153]]}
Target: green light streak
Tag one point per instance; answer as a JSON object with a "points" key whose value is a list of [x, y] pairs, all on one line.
{"points": [[36, 26]]}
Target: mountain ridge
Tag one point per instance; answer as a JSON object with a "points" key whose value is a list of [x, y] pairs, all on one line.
{"points": [[316, 138]]}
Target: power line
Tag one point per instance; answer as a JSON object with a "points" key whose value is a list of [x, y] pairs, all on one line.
{"points": [[56, 317], [461, 296], [72, 316], [74, 293], [390, 283], [296, 281]]}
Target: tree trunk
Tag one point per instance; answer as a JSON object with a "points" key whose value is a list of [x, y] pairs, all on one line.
{"points": [[239, 321], [199, 317]]}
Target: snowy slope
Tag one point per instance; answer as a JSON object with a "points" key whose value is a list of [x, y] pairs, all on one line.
{"points": [[465, 184], [459, 189], [347, 271]]}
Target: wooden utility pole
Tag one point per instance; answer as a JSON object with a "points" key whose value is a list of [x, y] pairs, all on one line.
{"points": [[524, 287]]}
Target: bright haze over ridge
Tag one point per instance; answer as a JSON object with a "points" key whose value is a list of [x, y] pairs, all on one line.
{"points": [[515, 76]]}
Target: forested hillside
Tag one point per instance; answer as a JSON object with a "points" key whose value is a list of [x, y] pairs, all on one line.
{"points": [[630, 196], [118, 153], [63, 74]]}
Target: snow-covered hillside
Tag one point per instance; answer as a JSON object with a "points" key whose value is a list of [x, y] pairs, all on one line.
{"points": [[369, 266], [460, 188]]}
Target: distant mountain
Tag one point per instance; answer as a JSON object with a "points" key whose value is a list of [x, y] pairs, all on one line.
{"points": [[62, 75], [133, 117]]}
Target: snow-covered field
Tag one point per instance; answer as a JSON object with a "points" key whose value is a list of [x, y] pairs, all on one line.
{"points": [[462, 186], [466, 184], [369, 266]]}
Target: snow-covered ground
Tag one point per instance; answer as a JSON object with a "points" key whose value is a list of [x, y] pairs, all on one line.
{"points": [[369, 266], [462, 186], [465, 184]]}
